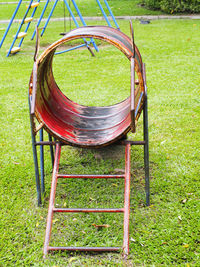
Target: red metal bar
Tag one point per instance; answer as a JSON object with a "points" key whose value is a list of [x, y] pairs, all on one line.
{"points": [[52, 199], [127, 199], [132, 143], [86, 248], [86, 210], [34, 88], [44, 143], [89, 176]]}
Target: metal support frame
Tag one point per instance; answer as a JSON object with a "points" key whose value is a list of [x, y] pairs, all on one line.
{"points": [[135, 109], [35, 159], [50, 14], [56, 176], [40, 19], [41, 186], [146, 139], [111, 13], [125, 210]]}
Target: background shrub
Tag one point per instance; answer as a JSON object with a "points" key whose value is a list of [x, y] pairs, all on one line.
{"points": [[174, 6]]}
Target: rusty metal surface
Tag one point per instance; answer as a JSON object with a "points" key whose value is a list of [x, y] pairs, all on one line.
{"points": [[77, 124], [97, 249], [127, 199], [88, 176], [125, 209], [52, 199]]}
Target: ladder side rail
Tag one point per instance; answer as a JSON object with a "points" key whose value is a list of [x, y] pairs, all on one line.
{"points": [[52, 199], [10, 23], [40, 19], [27, 27], [20, 26], [104, 14], [48, 19], [127, 199], [112, 15]]}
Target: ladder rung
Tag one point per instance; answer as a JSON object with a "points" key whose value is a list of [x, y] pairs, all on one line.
{"points": [[15, 50], [21, 35], [86, 248], [34, 5], [89, 176], [86, 210], [28, 20]]}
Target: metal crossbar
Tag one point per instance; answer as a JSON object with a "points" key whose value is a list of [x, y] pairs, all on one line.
{"points": [[125, 210]]}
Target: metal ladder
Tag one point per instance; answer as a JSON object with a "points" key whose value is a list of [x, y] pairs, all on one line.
{"points": [[25, 20], [126, 209]]}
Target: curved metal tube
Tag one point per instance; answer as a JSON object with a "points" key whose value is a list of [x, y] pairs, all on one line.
{"points": [[76, 124]]}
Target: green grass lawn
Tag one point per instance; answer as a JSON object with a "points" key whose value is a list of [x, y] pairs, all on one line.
{"points": [[167, 232], [87, 8]]}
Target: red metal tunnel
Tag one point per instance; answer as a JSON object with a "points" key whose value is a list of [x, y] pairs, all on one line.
{"points": [[76, 124]]}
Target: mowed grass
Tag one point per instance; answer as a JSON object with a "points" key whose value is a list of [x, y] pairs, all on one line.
{"points": [[86, 7], [167, 232]]}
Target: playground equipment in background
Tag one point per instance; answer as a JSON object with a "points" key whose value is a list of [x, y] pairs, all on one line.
{"points": [[73, 124], [28, 20]]}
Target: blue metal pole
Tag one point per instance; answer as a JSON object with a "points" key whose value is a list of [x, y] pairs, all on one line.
{"points": [[37, 176], [83, 21], [51, 150], [112, 15], [10, 23], [40, 19], [50, 14], [22, 22], [32, 15], [42, 162], [71, 13], [104, 14], [74, 19], [70, 49]]}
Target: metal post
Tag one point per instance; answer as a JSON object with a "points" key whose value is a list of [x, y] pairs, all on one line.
{"points": [[146, 152], [83, 21], [113, 17], [42, 162], [10, 23], [104, 14], [77, 25], [51, 150], [127, 199], [50, 14], [40, 19], [52, 199], [146, 139], [37, 177]]}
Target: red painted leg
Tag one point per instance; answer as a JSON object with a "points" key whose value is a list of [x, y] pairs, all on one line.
{"points": [[127, 199], [52, 199]]}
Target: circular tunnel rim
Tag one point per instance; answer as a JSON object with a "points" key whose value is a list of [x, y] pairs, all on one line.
{"points": [[50, 51]]}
